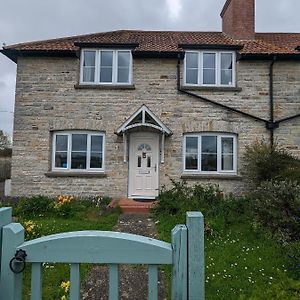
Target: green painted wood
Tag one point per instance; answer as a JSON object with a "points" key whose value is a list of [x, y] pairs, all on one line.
{"points": [[11, 283], [36, 281], [196, 268], [179, 270], [152, 282], [98, 247], [113, 282], [75, 282], [5, 218]]}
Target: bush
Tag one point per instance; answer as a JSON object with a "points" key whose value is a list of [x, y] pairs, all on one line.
{"points": [[33, 206], [208, 199], [264, 162], [276, 206]]}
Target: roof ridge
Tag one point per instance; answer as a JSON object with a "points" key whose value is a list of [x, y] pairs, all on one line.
{"points": [[68, 38]]}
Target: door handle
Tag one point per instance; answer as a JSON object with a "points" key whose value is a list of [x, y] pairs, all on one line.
{"points": [[155, 167]]}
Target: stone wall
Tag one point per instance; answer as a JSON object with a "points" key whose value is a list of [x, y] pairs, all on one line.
{"points": [[46, 100]]}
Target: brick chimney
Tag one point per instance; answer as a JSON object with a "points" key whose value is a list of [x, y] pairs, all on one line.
{"points": [[238, 19]]}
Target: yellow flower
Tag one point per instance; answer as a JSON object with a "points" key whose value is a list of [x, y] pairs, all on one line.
{"points": [[63, 297], [65, 285]]}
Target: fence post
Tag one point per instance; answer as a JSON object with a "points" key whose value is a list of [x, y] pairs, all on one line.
{"points": [[196, 275], [10, 283], [179, 271], [5, 218]]}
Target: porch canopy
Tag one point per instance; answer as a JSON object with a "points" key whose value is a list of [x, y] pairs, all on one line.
{"points": [[143, 119]]}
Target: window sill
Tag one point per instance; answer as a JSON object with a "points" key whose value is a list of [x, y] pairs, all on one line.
{"points": [[105, 87], [211, 88], [76, 174], [210, 176]]}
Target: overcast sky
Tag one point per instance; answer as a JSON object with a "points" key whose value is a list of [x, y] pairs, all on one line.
{"points": [[29, 20]]}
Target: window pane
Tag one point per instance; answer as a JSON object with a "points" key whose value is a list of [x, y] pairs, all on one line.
{"points": [[106, 59], [227, 145], [96, 161], [123, 75], [209, 162], [209, 144], [79, 142], [191, 162], [209, 60], [191, 155], [226, 61], [123, 59], [105, 74], [61, 160], [88, 74], [226, 77], [227, 162], [149, 162], [209, 76], [96, 143], [89, 58], [191, 145], [192, 60], [78, 160], [61, 143], [226, 68], [192, 76]]}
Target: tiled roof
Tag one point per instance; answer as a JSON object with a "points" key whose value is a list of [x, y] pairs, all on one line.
{"points": [[169, 41]]}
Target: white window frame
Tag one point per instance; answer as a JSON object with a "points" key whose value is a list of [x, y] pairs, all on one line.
{"points": [[218, 68], [69, 152], [219, 153], [114, 67]]}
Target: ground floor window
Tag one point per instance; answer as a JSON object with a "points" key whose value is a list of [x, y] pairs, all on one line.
{"points": [[210, 153], [78, 151]]}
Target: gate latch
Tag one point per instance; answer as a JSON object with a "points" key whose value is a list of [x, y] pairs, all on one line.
{"points": [[17, 263]]}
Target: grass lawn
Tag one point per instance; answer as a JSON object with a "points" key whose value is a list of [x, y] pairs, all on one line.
{"points": [[241, 263], [84, 217]]}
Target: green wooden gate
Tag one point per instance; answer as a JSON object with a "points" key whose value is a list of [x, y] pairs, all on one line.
{"points": [[185, 254]]}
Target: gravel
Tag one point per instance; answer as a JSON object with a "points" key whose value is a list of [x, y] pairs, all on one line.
{"points": [[133, 282]]}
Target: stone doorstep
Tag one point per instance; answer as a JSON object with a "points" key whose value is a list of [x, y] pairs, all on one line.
{"points": [[132, 206]]}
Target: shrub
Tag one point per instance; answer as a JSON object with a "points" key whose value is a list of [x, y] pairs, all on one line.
{"points": [[33, 206], [264, 162], [276, 206], [208, 198]]}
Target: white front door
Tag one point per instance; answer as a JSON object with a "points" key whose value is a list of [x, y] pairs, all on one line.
{"points": [[143, 165]]}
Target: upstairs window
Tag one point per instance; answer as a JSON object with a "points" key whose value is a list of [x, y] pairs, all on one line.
{"points": [[210, 153], [78, 151], [209, 68], [106, 67]]}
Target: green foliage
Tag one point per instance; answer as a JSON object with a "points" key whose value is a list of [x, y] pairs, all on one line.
{"points": [[208, 199], [264, 162], [276, 206], [33, 206], [182, 198]]}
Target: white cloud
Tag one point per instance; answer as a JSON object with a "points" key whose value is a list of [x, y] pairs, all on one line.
{"points": [[174, 7]]}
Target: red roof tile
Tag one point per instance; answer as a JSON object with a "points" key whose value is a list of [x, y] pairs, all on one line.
{"points": [[169, 41]]}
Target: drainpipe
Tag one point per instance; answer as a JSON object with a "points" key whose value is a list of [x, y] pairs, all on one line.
{"points": [[272, 125]]}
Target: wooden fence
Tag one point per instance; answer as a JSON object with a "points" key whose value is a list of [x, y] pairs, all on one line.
{"points": [[185, 253]]}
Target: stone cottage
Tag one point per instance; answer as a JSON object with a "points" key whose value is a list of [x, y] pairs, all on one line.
{"points": [[120, 113]]}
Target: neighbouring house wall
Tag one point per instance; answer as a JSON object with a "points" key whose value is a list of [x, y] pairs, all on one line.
{"points": [[46, 100]]}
